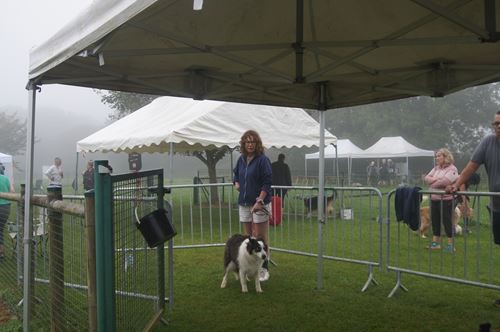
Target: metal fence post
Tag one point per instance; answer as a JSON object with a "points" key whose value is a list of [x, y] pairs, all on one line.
{"points": [[91, 259], [105, 267]]}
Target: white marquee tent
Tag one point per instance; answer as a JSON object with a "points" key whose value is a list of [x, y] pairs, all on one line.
{"points": [[343, 149], [193, 125], [394, 147]]}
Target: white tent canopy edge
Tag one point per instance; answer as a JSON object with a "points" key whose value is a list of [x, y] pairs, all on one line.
{"points": [[194, 125]]}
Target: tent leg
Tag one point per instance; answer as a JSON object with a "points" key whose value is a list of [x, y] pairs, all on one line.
{"points": [[28, 280], [321, 186]]}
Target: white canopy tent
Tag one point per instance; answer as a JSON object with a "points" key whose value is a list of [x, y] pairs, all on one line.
{"points": [[394, 147], [316, 56], [195, 125], [343, 149]]}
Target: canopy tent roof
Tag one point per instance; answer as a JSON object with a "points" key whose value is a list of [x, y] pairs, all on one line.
{"points": [[345, 149], [194, 125], [316, 55], [393, 147]]}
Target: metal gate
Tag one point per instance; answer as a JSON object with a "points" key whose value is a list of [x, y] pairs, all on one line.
{"points": [[130, 276]]}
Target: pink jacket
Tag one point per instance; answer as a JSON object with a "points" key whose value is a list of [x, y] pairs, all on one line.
{"points": [[439, 177]]}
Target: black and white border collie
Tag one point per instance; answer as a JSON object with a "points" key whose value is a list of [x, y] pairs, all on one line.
{"points": [[244, 256]]}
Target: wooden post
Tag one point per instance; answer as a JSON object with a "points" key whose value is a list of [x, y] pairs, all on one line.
{"points": [[56, 261], [91, 261]]}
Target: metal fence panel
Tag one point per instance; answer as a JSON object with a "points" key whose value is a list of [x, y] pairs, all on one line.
{"points": [[474, 259]]}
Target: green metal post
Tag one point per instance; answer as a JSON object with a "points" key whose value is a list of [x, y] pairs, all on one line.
{"points": [[105, 268]]}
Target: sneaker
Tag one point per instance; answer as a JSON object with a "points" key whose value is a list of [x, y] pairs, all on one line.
{"points": [[434, 246], [263, 274], [449, 248], [496, 303]]}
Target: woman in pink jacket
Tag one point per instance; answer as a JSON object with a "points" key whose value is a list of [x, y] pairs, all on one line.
{"points": [[443, 174]]}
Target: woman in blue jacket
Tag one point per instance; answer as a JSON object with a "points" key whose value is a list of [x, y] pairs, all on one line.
{"points": [[253, 179]]}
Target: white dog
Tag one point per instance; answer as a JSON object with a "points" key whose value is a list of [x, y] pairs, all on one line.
{"points": [[244, 256]]}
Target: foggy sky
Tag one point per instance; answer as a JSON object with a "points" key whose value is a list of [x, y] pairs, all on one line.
{"points": [[24, 24]]}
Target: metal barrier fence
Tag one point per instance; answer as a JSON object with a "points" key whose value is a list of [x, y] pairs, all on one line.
{"points": [[473, 259], [352, 226], [351, 232]]}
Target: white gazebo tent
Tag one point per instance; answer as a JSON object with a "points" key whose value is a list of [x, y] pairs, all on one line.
{"points": [[192, 125], [343, 149], [394, 147], [182, 124]]}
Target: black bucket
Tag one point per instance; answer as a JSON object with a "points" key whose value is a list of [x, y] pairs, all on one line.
{"points": [[156, 227]]}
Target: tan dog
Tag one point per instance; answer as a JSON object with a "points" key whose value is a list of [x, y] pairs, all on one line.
{"points": [[425, 219]]}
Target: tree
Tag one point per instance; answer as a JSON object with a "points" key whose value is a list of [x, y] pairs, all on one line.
{"points": [[124, 103], [457, 121], [12, 134]]}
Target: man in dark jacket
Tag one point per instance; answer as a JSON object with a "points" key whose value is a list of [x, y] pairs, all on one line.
{"points": [[281, 175], [88, 176]]}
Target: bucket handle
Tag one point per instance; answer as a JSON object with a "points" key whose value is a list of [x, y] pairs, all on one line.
{"points": [[136, 216]]}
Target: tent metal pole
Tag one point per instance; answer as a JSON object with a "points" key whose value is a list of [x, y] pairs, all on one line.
{"points": [[321, 187], [171, 163], [75, 188], [407, 171], [28, 280], [337, 164], [349, 170]]}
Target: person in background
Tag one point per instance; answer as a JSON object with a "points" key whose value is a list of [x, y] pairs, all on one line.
{"points": [[383, 173], [253, 179], [371, 173], [55, 173], [391, 168], [443, 174], [281, 176], [88, 176], [486, 153], [4, 207]]}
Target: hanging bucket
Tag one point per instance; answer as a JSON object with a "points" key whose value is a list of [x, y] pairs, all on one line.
{"points": [[155, 227]]}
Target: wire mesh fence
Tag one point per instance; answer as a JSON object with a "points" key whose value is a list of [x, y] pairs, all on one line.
{"points": [[139, 269], [59, 276]]}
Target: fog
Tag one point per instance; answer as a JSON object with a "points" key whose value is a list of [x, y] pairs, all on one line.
{"points": [[64, 114], [57, 132]]}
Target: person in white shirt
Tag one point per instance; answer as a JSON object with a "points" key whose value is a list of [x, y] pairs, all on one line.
{"points": [[55, 173]]}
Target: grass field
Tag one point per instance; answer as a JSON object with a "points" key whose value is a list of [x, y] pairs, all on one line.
{"points": [[290, 301]]}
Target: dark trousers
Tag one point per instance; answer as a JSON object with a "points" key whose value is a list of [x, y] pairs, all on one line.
{"points": [[447, 207], [495, 226], [4, 215]]}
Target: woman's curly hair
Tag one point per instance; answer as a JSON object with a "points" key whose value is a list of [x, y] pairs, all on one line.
{"points": [[252, 134]]}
